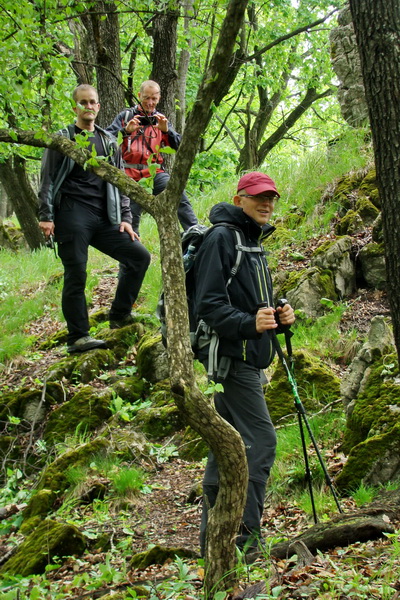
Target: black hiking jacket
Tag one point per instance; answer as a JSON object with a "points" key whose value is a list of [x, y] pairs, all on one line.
{"points": [[231, 312], [56, 167]]}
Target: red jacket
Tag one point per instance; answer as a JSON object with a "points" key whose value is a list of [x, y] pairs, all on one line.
{"points": [[137, 148]]}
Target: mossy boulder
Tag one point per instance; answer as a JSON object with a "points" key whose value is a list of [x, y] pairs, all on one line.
{"points": [[367, 210], [162, 417], [88, 365], [191, 446], [377, 406], [335, 254], [58, 338], [11, 237], [128, 443], [130, 388], [369, 188], [344, 189], [40, 504], [372, 260], [372, 462], [158, 555], [87, 410], [317, 385], [152, 359], [120, 341], [377, 230], [350, 224], [31, 405], [305, 289], [48, 540], [55, 476]]}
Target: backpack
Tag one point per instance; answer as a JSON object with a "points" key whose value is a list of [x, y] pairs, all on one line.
{"points": [[201, 335]]}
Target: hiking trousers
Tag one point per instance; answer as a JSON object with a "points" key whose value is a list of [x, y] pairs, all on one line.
{"points": [[243, 405], [78, 226], [186, 215]]}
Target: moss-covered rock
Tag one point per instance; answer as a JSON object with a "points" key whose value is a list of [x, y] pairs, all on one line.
{"points": [[372, 462], [31, 405], [40, 504], [130, 388], [88, 365], [335, 255], [49, 539], [87, 410], [344, 188], [367, 210], [372, 260], [369, 188], [317, 385], [350, 224], [55, 476], [305, 289], [151, 359], [11, 237], [158, 555], [374, 410]]}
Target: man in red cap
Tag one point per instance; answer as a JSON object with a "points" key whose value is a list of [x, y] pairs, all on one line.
{"points": [[230, 305]]}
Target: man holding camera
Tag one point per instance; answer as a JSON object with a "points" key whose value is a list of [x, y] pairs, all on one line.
{"points": [[239, 308], [144, 132], [80, 209]]}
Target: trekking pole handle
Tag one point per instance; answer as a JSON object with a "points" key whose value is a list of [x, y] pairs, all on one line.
{"points": [[281, 303]]}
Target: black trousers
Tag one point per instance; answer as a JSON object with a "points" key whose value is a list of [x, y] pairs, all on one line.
{"points": [[186, 215], [243, 405], [77, 227]]}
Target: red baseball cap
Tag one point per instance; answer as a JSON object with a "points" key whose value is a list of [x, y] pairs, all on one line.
{"points": [[256, 183]]}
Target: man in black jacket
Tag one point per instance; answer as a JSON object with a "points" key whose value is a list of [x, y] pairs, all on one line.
{"points": [[233, 311], [80, 209], [145, 131]]}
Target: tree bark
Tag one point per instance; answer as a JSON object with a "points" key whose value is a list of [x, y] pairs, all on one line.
{"points": [[183, 67], [377, 28], [17, 186], [164, 33], [104, 35]]}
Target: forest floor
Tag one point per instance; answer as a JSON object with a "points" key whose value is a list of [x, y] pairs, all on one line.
{"points": [[169, 516]]}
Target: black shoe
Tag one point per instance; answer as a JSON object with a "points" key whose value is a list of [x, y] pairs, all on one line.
{"points": [[85, 343], [121, 322]]}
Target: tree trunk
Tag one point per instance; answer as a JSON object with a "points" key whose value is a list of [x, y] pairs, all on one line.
{"points": [[104, 35], [183, 67], [164, 33], [17, 186], [377, 27]]}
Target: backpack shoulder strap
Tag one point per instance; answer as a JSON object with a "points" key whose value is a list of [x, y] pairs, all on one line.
{"points": [[241, 248]]}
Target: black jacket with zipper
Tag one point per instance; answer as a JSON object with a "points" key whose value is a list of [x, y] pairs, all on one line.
{"points": [[56, 167], [231, 311]]}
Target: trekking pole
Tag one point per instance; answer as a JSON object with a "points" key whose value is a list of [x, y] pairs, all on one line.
{"points": [[301, 412]]}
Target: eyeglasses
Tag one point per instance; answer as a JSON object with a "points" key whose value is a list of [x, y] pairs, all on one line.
{"points": [[260, 197]]}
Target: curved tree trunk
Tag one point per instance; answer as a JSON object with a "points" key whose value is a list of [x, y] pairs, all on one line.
{"points": [[377, 27], [17, 186]]}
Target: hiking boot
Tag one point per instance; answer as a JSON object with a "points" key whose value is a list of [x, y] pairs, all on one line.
{"points": [[84, 344], [121, 322]]}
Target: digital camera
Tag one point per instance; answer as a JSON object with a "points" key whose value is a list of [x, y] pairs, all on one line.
{"points": [[145, 121]]}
